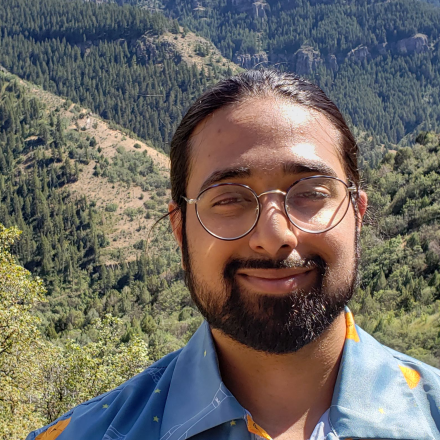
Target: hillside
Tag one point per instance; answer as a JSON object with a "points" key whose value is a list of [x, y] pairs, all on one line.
{"points": [[85, 196], [399, 296], [378, 60], [126, 196], [126, 64], [196, 50], [112, 306]]}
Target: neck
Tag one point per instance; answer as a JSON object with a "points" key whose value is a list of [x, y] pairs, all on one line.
{"points": [[284, 393]]}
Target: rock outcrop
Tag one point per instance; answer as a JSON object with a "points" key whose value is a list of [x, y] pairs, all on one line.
{"points": [[146, 48], [248, 61], [360, 53], [258, 8], [306, 60], [416, 44], [382, 48]]}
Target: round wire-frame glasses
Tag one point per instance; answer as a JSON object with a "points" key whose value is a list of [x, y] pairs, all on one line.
{"points": [[349, 190]]}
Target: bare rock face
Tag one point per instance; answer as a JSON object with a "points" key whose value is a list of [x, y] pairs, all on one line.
{"points": [[360, 53], [248, 61], [416, 44], [259, 9], [306, 60], [147, 48]]}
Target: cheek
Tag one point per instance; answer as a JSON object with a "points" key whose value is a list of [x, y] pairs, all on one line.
{"points": [[208, 254], [338, 249]]}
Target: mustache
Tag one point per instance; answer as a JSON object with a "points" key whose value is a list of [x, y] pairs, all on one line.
{"points": [[310, 262]]}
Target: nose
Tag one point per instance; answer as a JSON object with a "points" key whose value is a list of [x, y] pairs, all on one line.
{"points": [[274, 235]]}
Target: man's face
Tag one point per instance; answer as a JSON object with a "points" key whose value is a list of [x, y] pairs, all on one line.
{"points": [[278, 288]]}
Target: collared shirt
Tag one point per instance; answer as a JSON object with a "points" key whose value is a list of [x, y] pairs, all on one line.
{"points": [[379, 393]]}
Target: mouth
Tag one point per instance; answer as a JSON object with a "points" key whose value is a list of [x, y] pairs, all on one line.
{"points": [[276, 281]]}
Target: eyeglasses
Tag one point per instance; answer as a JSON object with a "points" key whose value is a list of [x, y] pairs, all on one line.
{"points": [[315, 204]]}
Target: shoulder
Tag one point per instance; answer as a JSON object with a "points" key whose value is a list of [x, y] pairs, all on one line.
{"points": [[426, 372], [404, 362], [404, 378], [95, 418]]}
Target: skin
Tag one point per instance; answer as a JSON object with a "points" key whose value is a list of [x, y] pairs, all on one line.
{"points": [[295, 389]]}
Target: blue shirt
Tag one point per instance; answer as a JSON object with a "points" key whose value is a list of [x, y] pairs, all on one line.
{"points": [[379, 393]]}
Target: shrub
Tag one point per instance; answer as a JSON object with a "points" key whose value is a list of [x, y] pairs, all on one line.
{"points": [[111, 207]]}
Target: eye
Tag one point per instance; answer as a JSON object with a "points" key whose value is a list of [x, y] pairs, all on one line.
{"points": [[229, 199], [312, 195], [309, 195]]}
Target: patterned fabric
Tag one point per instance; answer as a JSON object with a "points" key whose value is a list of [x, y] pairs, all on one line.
{"points": [[379, 393]]}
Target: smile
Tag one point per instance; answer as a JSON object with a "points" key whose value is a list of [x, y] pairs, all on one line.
{"points": [[276, 281]]}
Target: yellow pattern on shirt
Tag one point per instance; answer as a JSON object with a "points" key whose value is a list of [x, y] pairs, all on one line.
{"points": [[54, 431]]}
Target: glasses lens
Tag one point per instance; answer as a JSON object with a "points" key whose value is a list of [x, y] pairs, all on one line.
{"points": [[228, 211], [317, 204]]}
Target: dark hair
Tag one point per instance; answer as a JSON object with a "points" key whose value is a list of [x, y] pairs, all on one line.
{"points": [[250, 84]]}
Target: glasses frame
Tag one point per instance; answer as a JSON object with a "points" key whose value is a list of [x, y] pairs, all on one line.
{"points": [[351, 189]]}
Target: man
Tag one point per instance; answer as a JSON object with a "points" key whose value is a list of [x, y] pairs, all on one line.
{"points": [[267, 212]]}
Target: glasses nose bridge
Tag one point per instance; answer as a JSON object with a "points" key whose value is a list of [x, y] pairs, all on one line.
{"points": [[272, 191]]}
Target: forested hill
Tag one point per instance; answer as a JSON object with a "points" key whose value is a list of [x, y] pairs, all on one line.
{"points": [[130, 66], [378, 60], [399, 298], [84, 197]]}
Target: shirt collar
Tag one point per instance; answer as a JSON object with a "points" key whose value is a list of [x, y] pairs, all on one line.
{"points": [[197, 398], [373, 395]]}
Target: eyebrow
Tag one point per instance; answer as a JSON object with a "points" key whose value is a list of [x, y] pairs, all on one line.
{"points": [[289, 168], [309, 166], [228, 173]]}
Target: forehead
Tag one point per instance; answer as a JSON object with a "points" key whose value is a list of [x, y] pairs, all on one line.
{"points": [[263, 135]]}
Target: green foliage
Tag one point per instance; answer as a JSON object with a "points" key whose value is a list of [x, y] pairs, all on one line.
{"points": [[399, 296], [80, 372], [99, 316], [388, 92], [111, 207], [63, 236], [19, 293], [105, 57], [132, 168], [40, 380]]}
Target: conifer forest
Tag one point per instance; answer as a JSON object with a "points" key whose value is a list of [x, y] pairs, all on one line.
{"points": [[90, 95]]}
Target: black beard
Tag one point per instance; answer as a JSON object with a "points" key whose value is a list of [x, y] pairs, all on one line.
{"points": [[269, 323]]}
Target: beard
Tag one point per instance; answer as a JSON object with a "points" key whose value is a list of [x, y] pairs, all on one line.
{"points": [[269, 323]]}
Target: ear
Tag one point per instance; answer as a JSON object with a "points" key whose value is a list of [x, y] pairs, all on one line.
{"points": [[362, 203], [176, 221], [176, 224]]}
